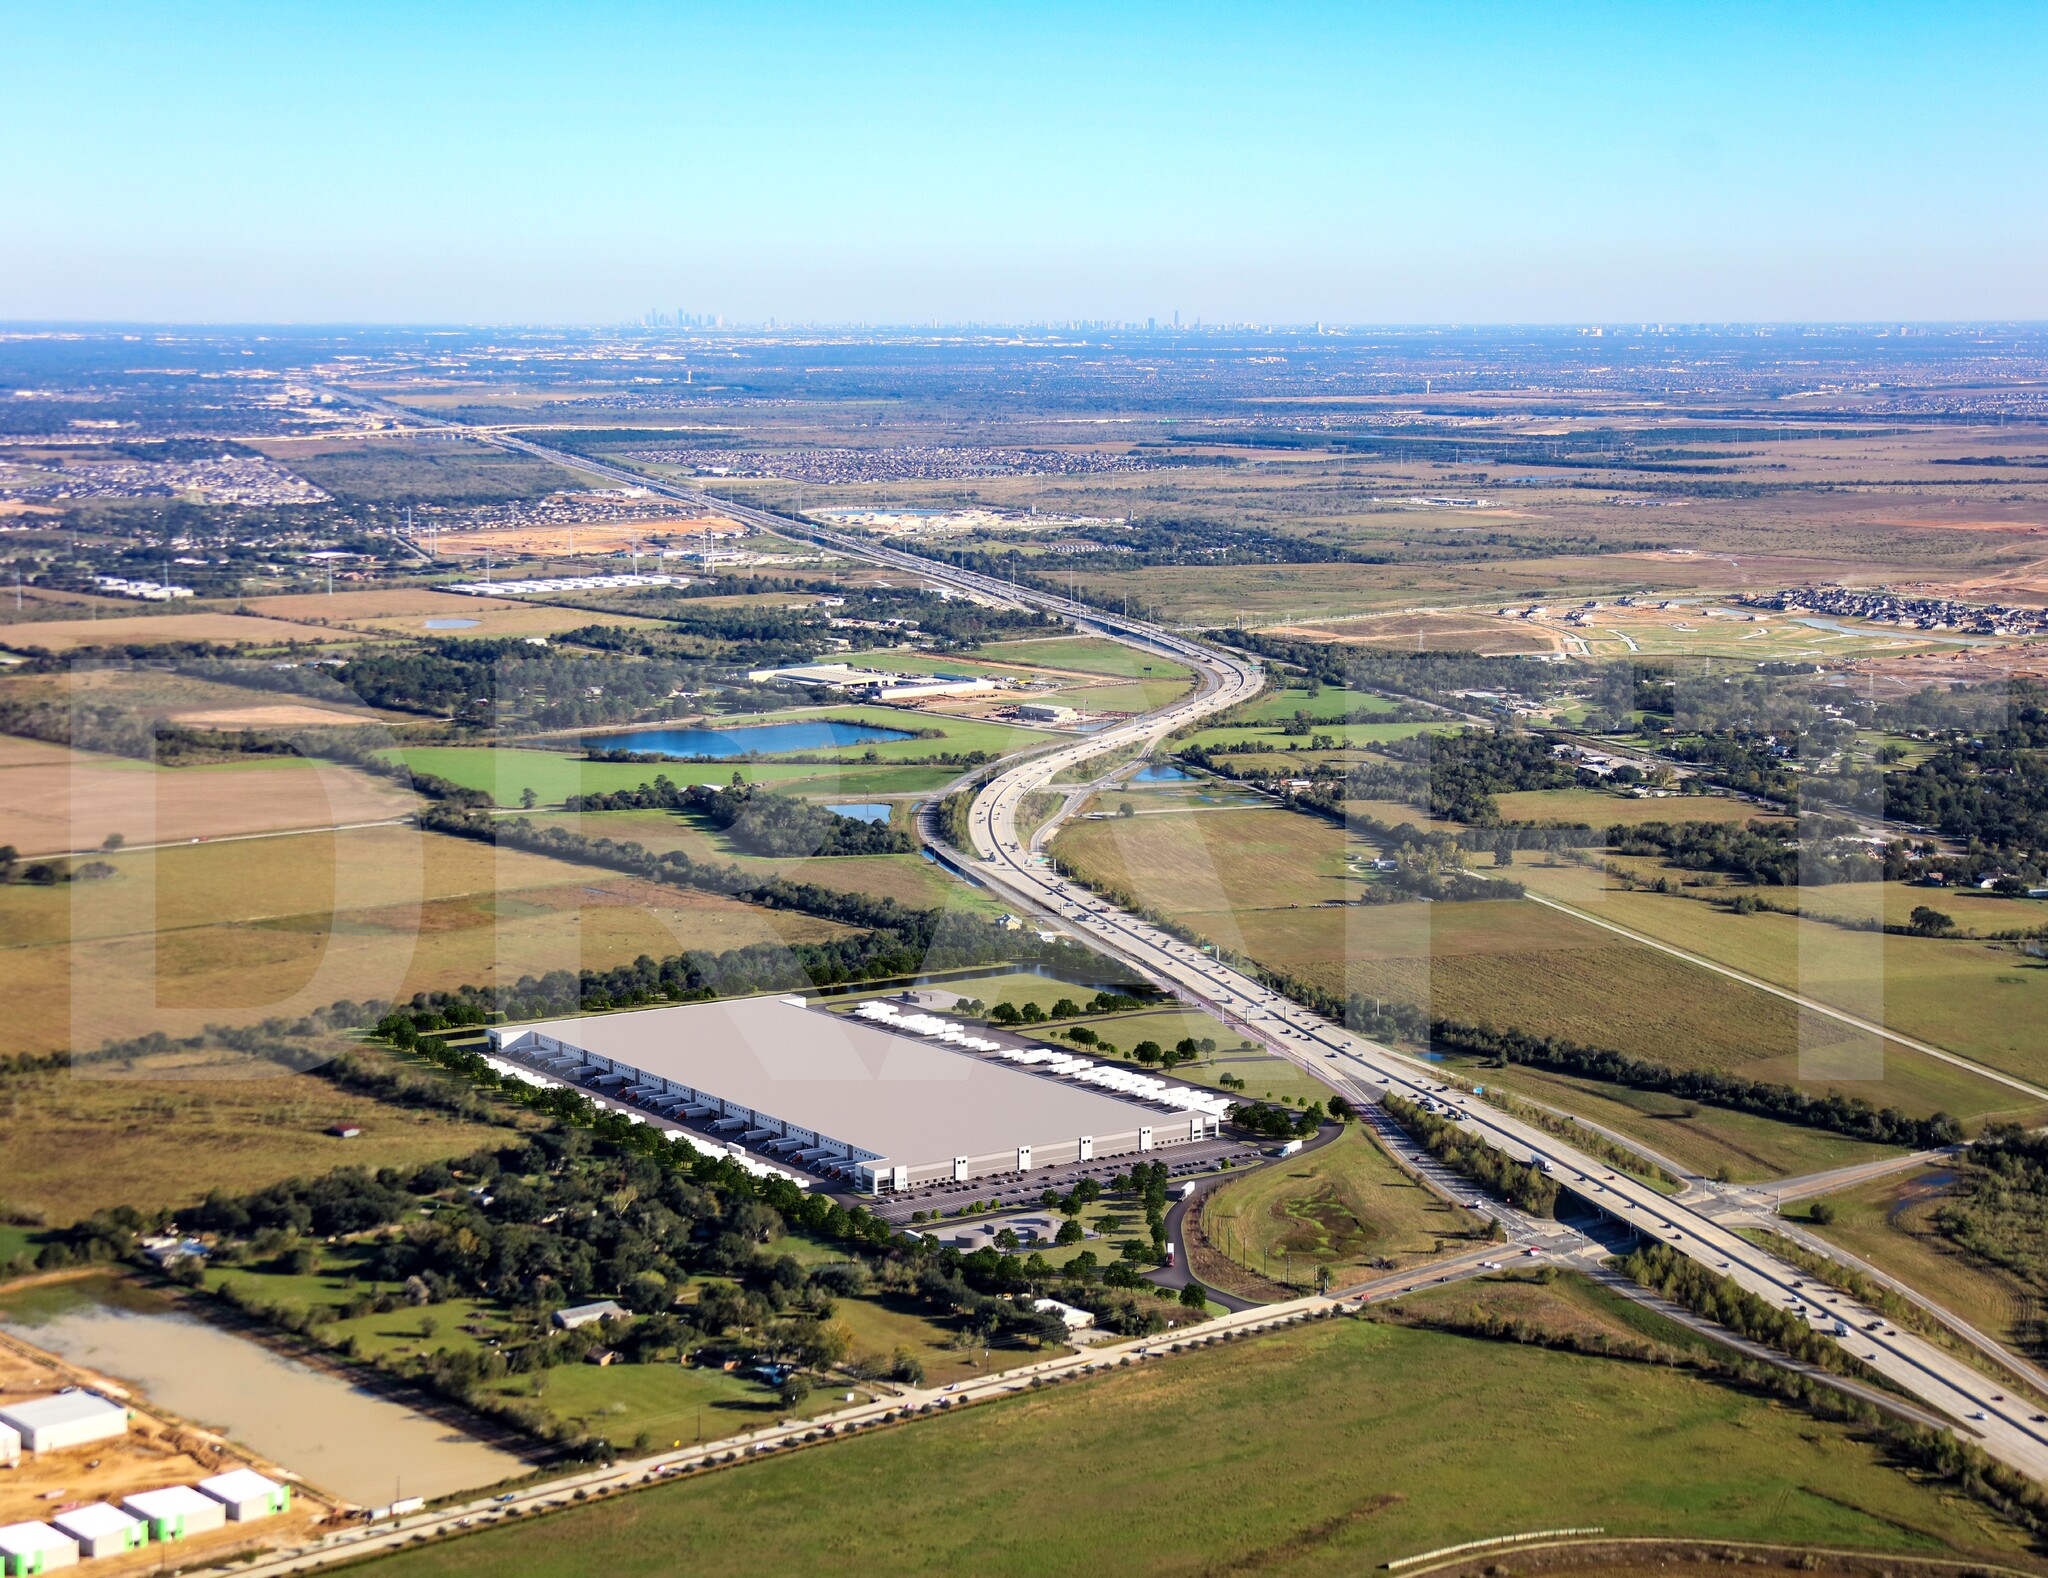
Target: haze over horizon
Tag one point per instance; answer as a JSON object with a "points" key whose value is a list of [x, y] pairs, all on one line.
{"points": [[1406, 164]]}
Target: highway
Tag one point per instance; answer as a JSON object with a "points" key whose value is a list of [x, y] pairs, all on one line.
{"points": [[1356, 1067]]}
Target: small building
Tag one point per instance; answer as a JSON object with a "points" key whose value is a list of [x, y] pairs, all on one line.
{"points": [[602, 1357], [583, 1314], [68, 1419], [10, 1446], [35, 1548], [102, 1530], [1072, 1318], [247, 1494], [345, 1131], [176, 1512], [1045, 712]]}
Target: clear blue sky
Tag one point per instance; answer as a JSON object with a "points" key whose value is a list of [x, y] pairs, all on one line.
{"points": [[305, 160]]}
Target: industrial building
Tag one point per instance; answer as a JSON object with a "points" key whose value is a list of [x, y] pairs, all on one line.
{"points": [[890, 1101], [176, 1512], [10, 1446], [35, 1548], [101, 1530], [67, 1419], [247, 1495], [873, 685]]}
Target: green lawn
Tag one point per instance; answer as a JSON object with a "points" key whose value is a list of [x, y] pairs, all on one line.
{"points": [[1086, 655], [1347, 733], [1329, 1449], [1330, 702]]}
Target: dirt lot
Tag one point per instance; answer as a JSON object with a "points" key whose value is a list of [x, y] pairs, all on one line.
{"points": [[1429, 632], [156, 1452], [589, 537], [68, 635], [53, 800]]}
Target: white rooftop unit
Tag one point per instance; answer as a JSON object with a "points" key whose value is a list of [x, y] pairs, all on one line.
{"points": [[35, 1548], [176, 1512], [247, 1494], [102, 1530], [68, 1419]]}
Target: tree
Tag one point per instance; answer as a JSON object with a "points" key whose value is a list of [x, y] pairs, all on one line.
{"points": [[1071, 1231], [1820, 1213], [1927, 922], [528, 799], [796, 1391], [1322, 1279], [1006, 1239], [1146, 1051], [112, 842], [1126, 809], [1193, 1296]]}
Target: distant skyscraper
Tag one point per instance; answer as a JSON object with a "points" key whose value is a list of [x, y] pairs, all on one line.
{"points": [[1176, 317]]}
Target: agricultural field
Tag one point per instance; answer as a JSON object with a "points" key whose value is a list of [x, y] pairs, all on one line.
{"points": [[238, 932], [166, 1127], [72, 635], [422, 471], [1982, 1000], [456, 619], [1888, 1222], [53, 799], [505, 772], [1212, 863], [1086, 655], [907, 878], [1344, 1446], [1278, 704], [1346, 1206], [1430, 632], [1599, 808], [1345, 734]]}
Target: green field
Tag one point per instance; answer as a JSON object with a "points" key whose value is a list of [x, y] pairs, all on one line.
{"points": [[1348, 734], [1344, 1205], [1985, 1001], [908, 878], [1261, 883], [1330, 1449], [1329, 702], [1086, 655], [1598, 808]]}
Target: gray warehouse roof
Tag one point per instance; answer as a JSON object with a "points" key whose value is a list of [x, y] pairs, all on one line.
{"points": [[902, 1098]]}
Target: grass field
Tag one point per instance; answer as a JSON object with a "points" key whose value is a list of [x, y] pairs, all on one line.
{"points": [[71, 635], [1346, 734], [909, 878], [176, 1124], [1086, 655], [1597, 808], [1344, 1205], [1329, 702], [53, 799], [503, 772], [1986, 1001], [1257, 882], [1888, 1223], [399, 471], [1327, 1450], [233, 933]]}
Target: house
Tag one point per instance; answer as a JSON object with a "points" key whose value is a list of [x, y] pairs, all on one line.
{"points": [[68, 1419], [602, 1357], [35, 1548], [101, 1530], [577, 1315], [345, 1131], [1073, 1319], [176, 1512], [246, 1494]]}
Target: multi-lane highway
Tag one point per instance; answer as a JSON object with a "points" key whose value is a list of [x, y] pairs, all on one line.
{"points": [[1360, 1069]]}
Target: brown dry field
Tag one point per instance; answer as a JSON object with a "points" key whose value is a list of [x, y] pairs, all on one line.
{"points": [[53, 799], [68, 635], [1429, 632], [273, 715], [589, 537], [495, 618], [234, 933], [386, 603]]}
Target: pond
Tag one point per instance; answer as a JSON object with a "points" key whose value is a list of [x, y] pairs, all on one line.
{"points": [[453, 624], [720, 744], [863, 810], [1159, 773], [338, 1437]]}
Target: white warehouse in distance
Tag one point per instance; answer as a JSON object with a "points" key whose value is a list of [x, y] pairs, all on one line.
{"points": [[67, 1419], [898, 1110]]}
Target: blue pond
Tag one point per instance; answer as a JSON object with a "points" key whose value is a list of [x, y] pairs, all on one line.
{"points": [[1158, 773], [719, 744], [453, 624], [864, 810]]}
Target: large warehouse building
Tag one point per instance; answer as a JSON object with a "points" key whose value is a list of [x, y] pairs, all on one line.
{"points": [[897, 1101]]}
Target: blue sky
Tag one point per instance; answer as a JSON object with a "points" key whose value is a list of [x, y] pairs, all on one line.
{"points": [[311, 161]]}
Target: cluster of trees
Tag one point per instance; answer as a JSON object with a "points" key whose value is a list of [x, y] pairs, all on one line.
{"points": [[1999, 1209], [1985, 786], [48, 873], [1685, 1281], [1774, 854], [1435, 677], [761, 822], [1277, 1123], [1104, 1002], [1849, 1115], [1528, 1188]]}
